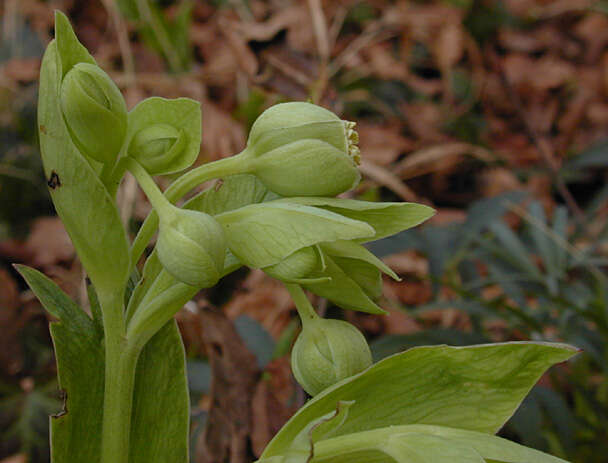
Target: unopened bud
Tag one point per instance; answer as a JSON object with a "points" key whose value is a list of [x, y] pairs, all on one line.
{"points": [[94, 111], [328, 351], [300, 149], [191, 246], [157, 146]]}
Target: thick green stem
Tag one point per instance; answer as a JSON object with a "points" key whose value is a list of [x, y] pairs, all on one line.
{"points": [[118, 403], [233, 165], [303, 305], [120, 363]]}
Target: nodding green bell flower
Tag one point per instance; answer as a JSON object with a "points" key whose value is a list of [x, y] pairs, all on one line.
{"points": [[94, 111], [296, 266], [191, 246], [328, 351], [300, 149], [156, 147]]}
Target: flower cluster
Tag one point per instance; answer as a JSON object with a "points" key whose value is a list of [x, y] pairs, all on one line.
{"points": [[300, 156]]}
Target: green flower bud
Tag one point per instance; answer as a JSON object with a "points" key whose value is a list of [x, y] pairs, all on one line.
{"points": [[191, 246], [328, 351], [156, 147], [296, 266], [300, 149], [94, 111]]}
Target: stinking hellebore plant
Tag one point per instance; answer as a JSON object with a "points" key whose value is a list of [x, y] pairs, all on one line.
{"points": [[122, 368]]}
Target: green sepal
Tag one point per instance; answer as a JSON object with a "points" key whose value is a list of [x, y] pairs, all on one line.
{"points": [[183, 114], [264, 234], [231, 193], [367, 276], [353, 250], [342, 290], [386, 218]]}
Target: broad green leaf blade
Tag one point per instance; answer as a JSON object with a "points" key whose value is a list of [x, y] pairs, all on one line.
{"points": [[342, 290], [488, 446], [475, 388], [75, 432], [81, 200], [181, 113], [386, 218], [161, 406], [264, 234], [422, 448], [434, 443]]}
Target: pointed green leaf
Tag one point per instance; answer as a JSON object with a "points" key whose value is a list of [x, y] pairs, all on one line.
{"points": [[367, 276], [354, 250], [75, 432], [161, 406], [342, 290], [70, 50], [474, 388], [264, 234], [160, 385], [81, 200], [386, 218]]}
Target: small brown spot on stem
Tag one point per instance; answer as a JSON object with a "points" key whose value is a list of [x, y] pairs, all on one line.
{"points": [[43, 128], [54, 181]]}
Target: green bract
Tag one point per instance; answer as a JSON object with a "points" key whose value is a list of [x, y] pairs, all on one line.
{"points": [[300, 149], [94, 111], [326, 352], [191, 246]]}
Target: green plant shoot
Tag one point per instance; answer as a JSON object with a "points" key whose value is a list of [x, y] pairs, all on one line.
{"points": [[123, 368]]}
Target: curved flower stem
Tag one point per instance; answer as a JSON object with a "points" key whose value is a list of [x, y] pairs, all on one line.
{"points": [[303, 305], [156, 197], [233, 165]]}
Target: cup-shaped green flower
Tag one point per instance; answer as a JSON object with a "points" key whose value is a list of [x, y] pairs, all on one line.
{"points": [[156, 147], [94, 111], [191, 246], [328, 351], [300, 149]]}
